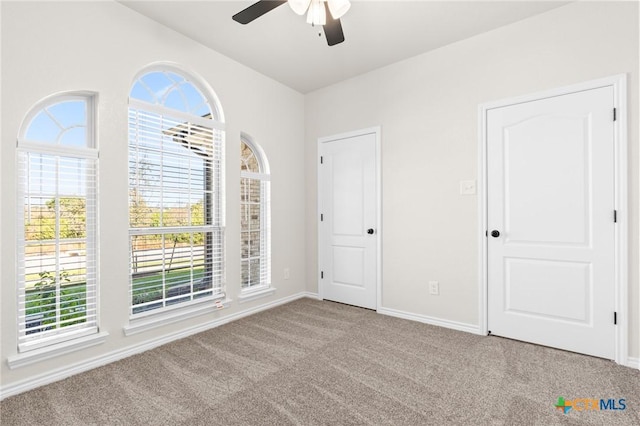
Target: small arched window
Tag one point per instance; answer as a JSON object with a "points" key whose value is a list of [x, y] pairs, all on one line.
{"points": [[176, 221], [57, 173], [255, 217]]}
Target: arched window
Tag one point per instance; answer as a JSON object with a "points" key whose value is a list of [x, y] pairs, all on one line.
{"points": [[57, 172], [175, 192], [255, 217]]}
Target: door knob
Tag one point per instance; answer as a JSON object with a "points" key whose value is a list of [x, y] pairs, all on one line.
{"points": [[495, 233], [370, 231]]}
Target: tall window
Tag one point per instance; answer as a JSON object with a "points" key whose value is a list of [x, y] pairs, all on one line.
{"points": [[175, 201], [254, 220], [57, 274]]}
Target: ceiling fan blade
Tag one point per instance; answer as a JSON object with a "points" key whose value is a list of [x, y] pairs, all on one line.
{"points": [[256, 10], [332, 29]]}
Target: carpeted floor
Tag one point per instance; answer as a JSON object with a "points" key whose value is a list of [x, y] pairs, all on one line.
{"points": [[311, 362]]}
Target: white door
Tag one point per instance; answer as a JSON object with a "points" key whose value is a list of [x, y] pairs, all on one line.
{"points": [[348, 217], [550, 202]]}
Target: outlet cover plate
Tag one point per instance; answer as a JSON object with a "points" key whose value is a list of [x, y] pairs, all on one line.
{"points": [[467, 187]]}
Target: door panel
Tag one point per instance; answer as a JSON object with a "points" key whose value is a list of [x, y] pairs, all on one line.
{"points": [[560, 144], [548, 289], [550, 193], [348, 205], [347, 185], [348, 266]]}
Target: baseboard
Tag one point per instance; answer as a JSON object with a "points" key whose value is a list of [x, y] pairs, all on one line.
{"points": [[469, 328], [454, 325], [91, 363], [311, 295], [633, 363]]}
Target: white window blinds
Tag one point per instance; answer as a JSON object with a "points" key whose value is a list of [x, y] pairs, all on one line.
{"points": [[175, 201], [254, 218], [57, 264]]}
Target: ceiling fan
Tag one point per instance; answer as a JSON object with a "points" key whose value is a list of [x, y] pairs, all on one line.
{"points": [[319, 12]]}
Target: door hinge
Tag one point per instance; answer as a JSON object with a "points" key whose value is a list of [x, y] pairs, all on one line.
{"points": [[321, 275], [615, 115], [615, 216], [486, 233], [321, 217], [321, 160], [615, 318]]}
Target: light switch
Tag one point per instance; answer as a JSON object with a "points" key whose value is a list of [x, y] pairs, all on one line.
{"points": [[467, 187], [434, 288]]}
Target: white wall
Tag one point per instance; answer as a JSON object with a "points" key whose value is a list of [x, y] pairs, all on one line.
{"points": [[99, 46], [428, 109]]}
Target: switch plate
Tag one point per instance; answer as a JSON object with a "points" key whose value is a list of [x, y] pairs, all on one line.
{"points": [[434, 288], [467, 187], [287, 273]]}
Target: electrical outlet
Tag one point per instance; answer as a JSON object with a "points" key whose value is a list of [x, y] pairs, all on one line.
{"points": [[467, 187], [287, 273], [434, 288]]}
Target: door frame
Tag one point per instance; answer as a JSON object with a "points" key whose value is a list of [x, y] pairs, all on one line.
{"points": [[377, 131], [621, 285]]}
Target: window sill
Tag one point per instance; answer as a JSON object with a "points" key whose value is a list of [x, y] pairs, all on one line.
{"points": [[138, 325], [252, 294], [55, 350]]}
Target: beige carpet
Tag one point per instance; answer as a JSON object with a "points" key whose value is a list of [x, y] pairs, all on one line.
{"points": [[311, 362]]}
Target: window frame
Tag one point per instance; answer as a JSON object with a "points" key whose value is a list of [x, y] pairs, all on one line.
{"points": [[90, 153], [264, 177], [216, 205]]}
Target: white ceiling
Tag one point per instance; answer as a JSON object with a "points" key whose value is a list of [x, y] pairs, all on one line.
{"points": [[284, 47]]}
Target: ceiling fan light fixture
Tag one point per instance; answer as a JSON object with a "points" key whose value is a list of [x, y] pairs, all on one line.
{"points": [[338, 8], [317, 14], [299, 6], [317, 11]]}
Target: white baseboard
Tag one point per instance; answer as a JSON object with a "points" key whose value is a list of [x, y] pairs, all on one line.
{"points": [[311, 295], [633, 363], [469, 328], [460, 326], [91, 363]]}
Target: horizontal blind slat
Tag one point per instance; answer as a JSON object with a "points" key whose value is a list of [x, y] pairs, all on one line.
{"points": [[174, 209], [58, 268]]}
